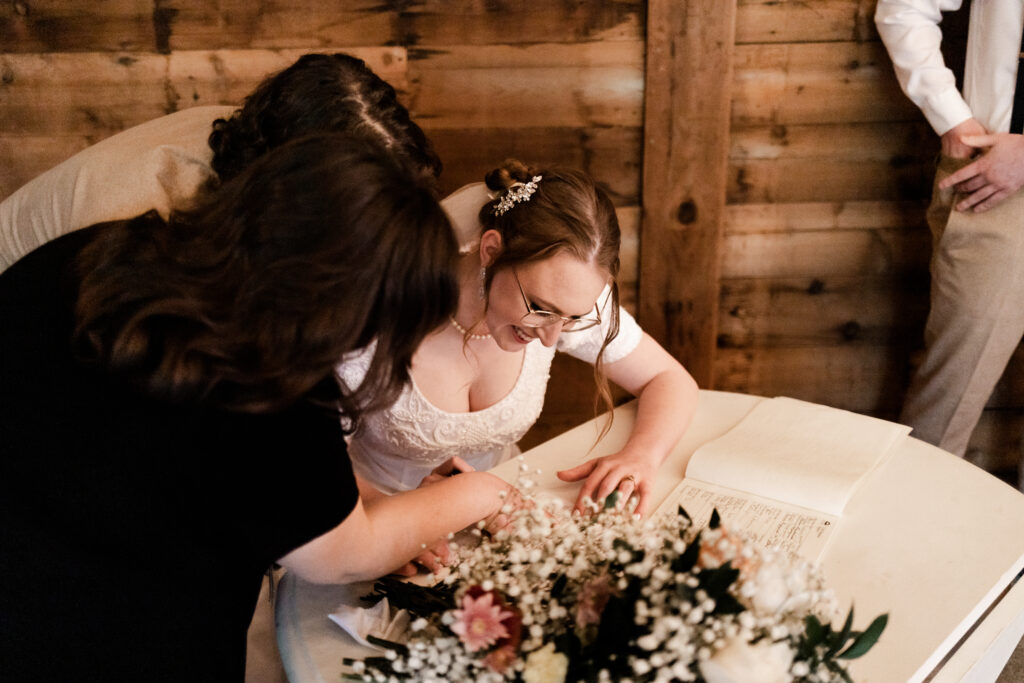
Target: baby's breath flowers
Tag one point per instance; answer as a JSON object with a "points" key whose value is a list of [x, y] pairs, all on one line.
{"points": [[556, 596]]}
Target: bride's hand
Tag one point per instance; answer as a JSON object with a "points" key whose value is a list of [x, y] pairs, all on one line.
{"points": [[630, 475]]}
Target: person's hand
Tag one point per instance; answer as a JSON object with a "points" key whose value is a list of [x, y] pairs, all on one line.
{"points": [[450, 467], [994, 176], [437, 555], [630, 475], [952, 140]]}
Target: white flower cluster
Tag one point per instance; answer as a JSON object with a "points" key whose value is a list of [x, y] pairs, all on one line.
{"points": [[560, 571]]}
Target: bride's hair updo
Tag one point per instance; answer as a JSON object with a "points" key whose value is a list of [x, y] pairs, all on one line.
{"points": [[565, 212]]}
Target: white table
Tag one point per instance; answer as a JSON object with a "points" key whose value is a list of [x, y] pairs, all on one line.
{"points": [[929, 538]]}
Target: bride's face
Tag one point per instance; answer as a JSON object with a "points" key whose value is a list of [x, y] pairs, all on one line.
{"points": [[560, 284]]}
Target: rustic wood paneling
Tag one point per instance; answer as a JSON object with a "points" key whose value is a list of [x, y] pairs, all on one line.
{"points": [[844, 253], [177, 25], [611, 155], [62, 26], [860, 377], [816, 83], [811, 312], [753, 218], [576, 85], [98, 93], [689, 75], [800, 21]]}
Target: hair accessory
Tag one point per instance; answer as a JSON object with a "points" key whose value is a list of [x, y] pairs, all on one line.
{"points": [[465, 333], [517, 192]]}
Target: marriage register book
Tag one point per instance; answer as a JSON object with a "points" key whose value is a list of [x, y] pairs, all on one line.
{"points": [[784, 474]]}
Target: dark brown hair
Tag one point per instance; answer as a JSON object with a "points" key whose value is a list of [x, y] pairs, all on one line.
{"points": [[567, 212], [320, 247], [320, 93]]}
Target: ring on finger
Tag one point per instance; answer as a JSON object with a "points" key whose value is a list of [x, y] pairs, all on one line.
{"points": [[629, 478]]}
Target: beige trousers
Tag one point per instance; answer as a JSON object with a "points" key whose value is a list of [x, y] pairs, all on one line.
{"points": [[976, 318]]}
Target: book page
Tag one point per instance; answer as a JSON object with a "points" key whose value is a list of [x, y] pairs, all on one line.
{"points": [[769, 523], [807, 455]]}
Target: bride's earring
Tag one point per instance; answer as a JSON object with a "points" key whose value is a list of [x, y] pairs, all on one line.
{"points": [[483, 280]]}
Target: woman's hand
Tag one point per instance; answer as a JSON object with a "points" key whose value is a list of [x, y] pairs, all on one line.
{"points": [[436, 556], [629, 474]]}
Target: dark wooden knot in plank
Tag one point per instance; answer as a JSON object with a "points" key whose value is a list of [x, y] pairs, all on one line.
{"points": [[850, 330], [687, 212]]}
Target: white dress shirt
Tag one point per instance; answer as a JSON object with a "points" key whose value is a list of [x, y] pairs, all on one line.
{"points": [[911, 33]]}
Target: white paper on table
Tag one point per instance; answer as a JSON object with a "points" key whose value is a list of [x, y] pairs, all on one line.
{"points": [[360, 622], [800, 453]]}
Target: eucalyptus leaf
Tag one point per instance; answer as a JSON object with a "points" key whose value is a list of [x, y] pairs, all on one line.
{"points": [[814, 630], [839, 642], [866, 640], [612, 500]]}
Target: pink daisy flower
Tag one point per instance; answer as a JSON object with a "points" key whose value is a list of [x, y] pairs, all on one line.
{"points": [[479, 623]]}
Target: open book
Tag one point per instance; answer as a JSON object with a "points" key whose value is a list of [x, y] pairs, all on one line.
{"points": [[784, 473]]}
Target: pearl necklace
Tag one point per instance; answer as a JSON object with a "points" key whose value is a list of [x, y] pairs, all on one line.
{"points": [[465, 333]]}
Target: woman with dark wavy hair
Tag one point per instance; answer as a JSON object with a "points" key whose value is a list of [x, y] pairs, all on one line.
{"points": [[169, 413], [320, 93]]}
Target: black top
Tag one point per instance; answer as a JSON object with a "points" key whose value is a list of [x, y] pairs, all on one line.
{"points": [[134, 534]]}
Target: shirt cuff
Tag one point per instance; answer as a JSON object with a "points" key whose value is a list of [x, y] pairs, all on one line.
{"points": [[946, 110]]}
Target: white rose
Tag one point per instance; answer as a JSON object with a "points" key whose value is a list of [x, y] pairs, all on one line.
{"points": [[772, 589], [741, 662], [545, 666]]}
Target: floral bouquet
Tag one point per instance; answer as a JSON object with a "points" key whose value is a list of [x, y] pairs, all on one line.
{"points": [[558, 597]]}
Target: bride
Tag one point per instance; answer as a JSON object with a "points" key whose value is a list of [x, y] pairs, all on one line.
{"points": [[539, 254]]}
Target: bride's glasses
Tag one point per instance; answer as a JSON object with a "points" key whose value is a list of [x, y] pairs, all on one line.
{"points": [[535, 317]]}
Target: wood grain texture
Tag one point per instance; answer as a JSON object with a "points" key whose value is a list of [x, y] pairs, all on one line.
{"points": [[800, 21], [174, 25], [689, 75], [814, 83]]}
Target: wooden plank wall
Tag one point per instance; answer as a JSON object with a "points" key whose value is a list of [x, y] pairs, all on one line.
{"points": [[823, 253]]}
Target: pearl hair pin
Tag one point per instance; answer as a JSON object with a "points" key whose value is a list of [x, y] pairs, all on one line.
{"points": [[465, 333]]}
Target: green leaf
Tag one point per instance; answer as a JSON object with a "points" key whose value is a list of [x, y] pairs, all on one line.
{"points": [[814, 631], [683, 513], [717, 581], [686, 561], [837, 669], [559, 586], [840, 640], [716, 521], [727, 604], [612, 500], [866, 640]]}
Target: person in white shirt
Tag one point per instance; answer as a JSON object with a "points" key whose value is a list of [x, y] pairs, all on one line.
{"points": [[977, 212]]}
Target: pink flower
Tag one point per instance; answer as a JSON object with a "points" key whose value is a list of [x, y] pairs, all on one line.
{"points": [[593, 598], [479, 623]]}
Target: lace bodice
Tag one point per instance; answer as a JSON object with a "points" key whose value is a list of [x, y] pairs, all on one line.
{"points": [[396, 447]]}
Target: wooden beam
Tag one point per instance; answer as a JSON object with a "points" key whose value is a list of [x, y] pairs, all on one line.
{"points": [[686, 150]]}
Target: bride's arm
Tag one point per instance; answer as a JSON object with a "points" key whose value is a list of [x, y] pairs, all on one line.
{"points": [[384, 534], [667, 399]]}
